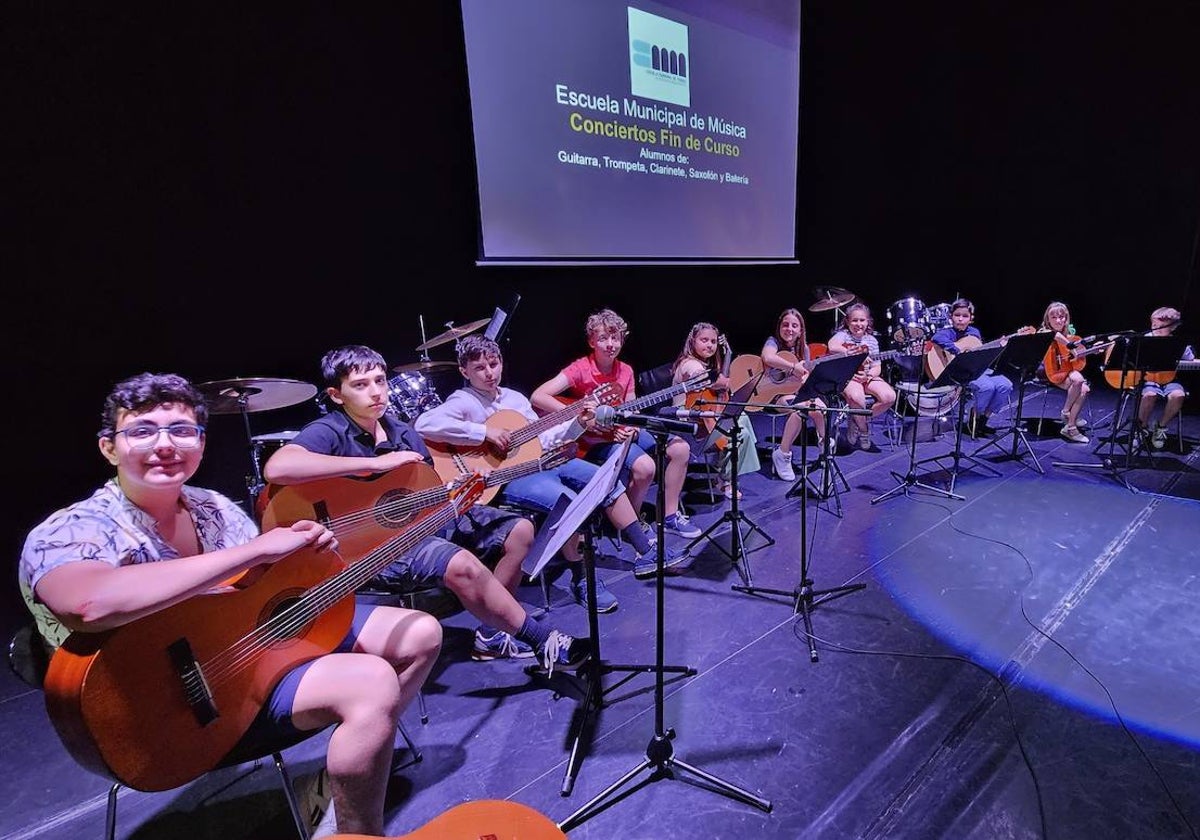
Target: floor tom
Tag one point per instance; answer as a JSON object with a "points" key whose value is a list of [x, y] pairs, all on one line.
{"points": [[906, 320]]}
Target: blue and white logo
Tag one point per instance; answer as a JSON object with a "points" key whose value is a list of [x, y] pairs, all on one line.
{"points": [[659, 67]]}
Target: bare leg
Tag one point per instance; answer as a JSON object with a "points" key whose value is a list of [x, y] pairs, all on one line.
{"points": [[1172, 408], [482, 594], [516, 546], [678, 453], [641, 476], [1146, 407]]}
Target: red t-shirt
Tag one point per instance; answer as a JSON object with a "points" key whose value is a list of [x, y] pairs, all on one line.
{"points": [[584, 377]]}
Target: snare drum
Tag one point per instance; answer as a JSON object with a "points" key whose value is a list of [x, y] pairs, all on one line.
{"points": [[409, 394], [935, 402], [906, 320]]}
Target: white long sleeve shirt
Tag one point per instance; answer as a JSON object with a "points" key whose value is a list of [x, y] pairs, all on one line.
{"points": [[461, 419]]}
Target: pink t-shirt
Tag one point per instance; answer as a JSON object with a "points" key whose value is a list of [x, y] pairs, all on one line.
{"points": [[584, 377]]}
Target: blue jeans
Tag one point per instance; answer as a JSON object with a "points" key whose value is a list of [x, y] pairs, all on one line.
{"points": [[991, 391], [541, 491]]}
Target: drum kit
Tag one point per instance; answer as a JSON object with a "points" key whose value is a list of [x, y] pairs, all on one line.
{"points": [[410, 393], [912, 321]]}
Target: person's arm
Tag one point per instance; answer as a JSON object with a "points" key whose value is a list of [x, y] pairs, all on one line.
{"points": [[544, 397], [450, 423], [684, 371], [92, 595], [837, 344], [944, 338], [293, 464]]}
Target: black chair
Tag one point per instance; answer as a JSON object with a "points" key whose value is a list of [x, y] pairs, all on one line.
{"points": [[29, 659], [704, 457]]}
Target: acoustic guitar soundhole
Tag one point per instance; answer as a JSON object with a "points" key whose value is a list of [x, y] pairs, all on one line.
{"points": [[285, 624], [390, 512]]}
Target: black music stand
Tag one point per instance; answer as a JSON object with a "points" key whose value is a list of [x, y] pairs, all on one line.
{"points": [[963, 369], [827, 380], [1132, 354], [660, 758], [915, 367], [804, 598], [737, 552], [569, 516], [1019, 361]]}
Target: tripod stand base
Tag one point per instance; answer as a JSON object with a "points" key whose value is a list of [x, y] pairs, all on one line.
{"points": [[1020, 439], [662, 763], [804, 600], [907, 482]]}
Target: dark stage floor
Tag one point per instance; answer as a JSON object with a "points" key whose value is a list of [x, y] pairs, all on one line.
{"points": [[1024, 662]]}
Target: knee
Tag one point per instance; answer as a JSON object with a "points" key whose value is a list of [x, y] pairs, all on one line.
{"points": [[463, 570], [425, 637], [677, 451], [375, 697], [520, 537], [642, 471]]}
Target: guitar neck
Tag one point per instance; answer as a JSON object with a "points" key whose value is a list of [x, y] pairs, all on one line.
{"points": [[665, 395], [532, 430]]}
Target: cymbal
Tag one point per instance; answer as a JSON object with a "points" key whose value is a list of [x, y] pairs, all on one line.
{"points": [[233, 396], [423, 367], [453, 333], [831, 297]]}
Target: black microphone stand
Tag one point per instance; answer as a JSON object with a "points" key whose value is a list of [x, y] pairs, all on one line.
{"points": [[660, 752], [804, 597]]}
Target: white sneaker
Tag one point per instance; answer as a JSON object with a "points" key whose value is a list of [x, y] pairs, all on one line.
{"points": [[1073, 434], [782, 462], [1158, 438]]}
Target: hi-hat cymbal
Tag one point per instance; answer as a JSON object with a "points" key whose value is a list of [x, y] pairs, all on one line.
{"points": [[423, 367], [233, 396], [831, 297], [454, 333]]}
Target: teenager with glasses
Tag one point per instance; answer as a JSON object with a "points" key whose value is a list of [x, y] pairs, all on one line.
{"points": [[96, 565]]}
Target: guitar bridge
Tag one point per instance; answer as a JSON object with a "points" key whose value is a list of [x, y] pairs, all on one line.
{"points": [[195, 688]]}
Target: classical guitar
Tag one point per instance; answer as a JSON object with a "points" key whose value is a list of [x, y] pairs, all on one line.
{"points": [[451, 460], [480, 820], [711, 396], [936, 358], [1132, 378], [777, 384], [161, 700], [363, 511]]}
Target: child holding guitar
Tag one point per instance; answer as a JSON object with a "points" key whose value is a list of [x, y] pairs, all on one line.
{"points": [[96, 566], [704, 351], [1163, 321], [854, 336], [1065, 370], [785, 356], [470, 419], [991, 391], [360, 437], [606, 333]]}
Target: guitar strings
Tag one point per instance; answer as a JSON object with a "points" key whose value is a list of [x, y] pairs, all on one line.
{"points": [[282, 625]]}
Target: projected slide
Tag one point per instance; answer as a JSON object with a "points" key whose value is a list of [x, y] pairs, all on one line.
{"points": [[635, 130]]}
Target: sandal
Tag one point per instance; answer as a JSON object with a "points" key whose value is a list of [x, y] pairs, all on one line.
{"points": [[727, 491]]}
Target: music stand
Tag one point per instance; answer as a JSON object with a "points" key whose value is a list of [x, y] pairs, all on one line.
{"points": [[914, 366], [1133, 354], [737, 552], [660, 757], [826, 380], [963, 369], [1019, 360], [569, 516]]}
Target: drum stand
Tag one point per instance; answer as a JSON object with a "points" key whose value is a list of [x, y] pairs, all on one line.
{"points": [[660, 758], [804, 598]]}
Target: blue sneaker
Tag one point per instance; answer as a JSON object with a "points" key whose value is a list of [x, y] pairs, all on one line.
{"points": [[675, 562], [563, 652], [606, 602], [678, 523], [500, 645]]}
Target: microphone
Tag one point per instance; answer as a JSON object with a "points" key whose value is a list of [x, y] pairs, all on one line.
{"points": [[678, 412], [607, 417]]}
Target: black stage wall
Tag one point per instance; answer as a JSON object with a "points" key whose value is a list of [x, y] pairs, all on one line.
{"points": [[228, 191]]}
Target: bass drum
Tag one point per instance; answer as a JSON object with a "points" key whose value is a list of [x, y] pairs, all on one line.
{"points": [[935, 402], [409, 394], [906, 320]]}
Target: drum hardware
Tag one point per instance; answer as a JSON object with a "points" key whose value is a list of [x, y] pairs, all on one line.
{"points": [[937, 317], [248, 395], [423, 367], [409, 394]]}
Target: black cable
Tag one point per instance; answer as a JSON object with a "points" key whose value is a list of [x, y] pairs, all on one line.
{"points": [[1111, 702]]}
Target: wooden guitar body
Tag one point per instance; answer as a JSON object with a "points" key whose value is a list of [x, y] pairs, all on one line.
{"points": [[1060, 361], [450, 461], [487, 818], [361, 511], [130, 704]]}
